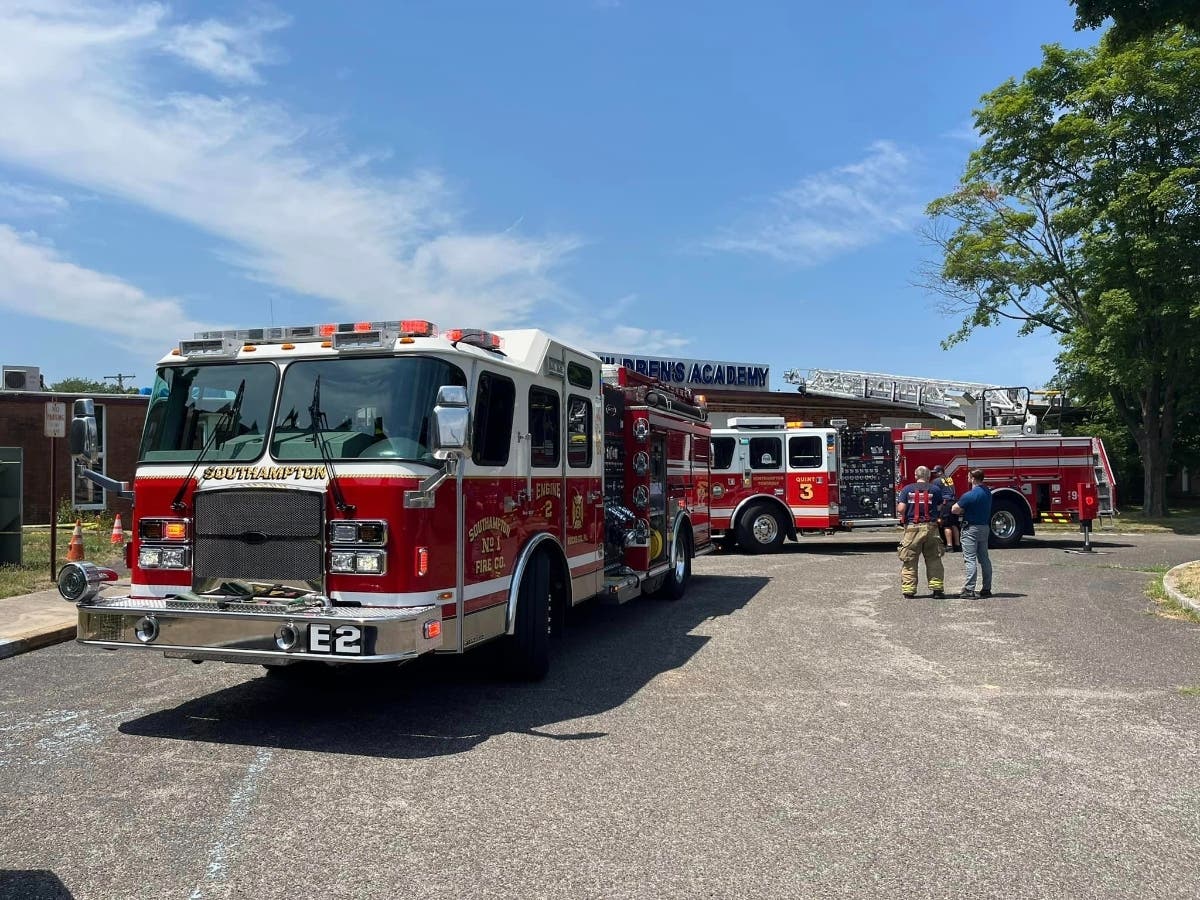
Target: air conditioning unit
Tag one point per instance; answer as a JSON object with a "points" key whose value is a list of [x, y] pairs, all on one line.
{"points": [[21, 378]]}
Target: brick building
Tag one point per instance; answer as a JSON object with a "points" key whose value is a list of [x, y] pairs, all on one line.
{"points": [[119, 419]]}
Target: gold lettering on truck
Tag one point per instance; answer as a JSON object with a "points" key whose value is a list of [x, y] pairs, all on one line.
{"points": [[264, 473]]}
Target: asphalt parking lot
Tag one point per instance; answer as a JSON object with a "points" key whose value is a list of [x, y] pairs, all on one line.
{"points": [[792, 728]]}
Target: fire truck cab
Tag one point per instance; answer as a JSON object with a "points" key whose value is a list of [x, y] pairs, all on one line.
{"points": [[370, 492]]}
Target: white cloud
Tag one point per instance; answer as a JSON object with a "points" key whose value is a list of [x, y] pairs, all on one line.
{"points": [[965, 131], [21, 201], [35, 280], [603, 332], [832, 212], [231, 53], [81, 103]]}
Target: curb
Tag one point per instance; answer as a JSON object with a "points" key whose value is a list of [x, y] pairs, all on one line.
{"points": [[36, 640], [1173, 592]]}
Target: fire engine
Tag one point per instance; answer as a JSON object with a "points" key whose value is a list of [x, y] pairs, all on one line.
{"points": [[370, 492], [772, 480]]}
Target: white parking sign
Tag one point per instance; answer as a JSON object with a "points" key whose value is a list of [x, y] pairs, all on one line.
{"points": [[56, 420]]}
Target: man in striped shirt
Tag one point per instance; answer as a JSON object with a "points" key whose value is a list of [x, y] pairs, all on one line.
{"points": [[918, 507]]}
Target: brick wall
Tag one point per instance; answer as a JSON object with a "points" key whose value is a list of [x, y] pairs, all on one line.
{"points": [[21, 425]]}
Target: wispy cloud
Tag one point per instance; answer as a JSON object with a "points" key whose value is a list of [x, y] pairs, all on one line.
{"points": [[832, 212], [18, 201], [82, 104], [36, 280], [964, 131], [602, 331], [231, 53]]}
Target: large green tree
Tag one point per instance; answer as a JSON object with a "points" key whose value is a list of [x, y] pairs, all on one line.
{"points": [[1080, 214], [1136, 18]]}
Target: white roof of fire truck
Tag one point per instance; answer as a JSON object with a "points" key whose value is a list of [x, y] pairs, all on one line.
{"points": [[526, 349]]}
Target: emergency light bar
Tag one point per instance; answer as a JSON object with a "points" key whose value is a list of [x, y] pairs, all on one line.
{"points": [[473, 337], [275, 335], [214, 347]]}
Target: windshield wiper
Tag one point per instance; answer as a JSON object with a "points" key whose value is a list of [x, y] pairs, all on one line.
{"points": [[319, 425], [231, 415]]}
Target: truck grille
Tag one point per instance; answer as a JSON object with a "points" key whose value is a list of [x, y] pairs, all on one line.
{"points": [[260, 535]]}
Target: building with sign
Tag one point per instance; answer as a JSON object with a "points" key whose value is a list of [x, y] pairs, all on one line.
{"points": [[24, 424]]}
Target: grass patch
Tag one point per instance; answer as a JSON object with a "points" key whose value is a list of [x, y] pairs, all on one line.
{"points": [[1153, 569], [1191, 690], [34, 572], [1181, 520], [1188, 581], [1167, 607]]}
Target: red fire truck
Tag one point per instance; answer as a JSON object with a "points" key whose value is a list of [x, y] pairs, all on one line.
{"points": [[374, 491], [772, 480]]}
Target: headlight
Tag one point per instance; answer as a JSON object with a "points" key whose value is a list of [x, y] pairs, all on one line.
{"points": [[164, 558], [149, 558], [358, 562], [371, 532], [174, 558], [344, 532]]}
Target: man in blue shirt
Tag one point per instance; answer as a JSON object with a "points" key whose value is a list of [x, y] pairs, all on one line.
{"points": [[918, 507], [975, 508]]}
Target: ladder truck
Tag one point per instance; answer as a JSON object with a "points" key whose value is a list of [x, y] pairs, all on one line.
{"points": [[774, 480], [370, 492]]}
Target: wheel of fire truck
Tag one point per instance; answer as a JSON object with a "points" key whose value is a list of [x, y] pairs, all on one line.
{"points": [[527, 650], [1007, 523], [680, 573], [760, 529]]}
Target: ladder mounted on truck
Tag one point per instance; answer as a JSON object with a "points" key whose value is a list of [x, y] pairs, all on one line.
{"points": [[967, 404]]}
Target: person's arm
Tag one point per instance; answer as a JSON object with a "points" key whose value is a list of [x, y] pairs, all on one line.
{"points": [[901, 505], [957, 508]]}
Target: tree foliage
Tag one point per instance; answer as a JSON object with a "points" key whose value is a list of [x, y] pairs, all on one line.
{"points": [[1136, 18], [1080, 213], [88, 386]]}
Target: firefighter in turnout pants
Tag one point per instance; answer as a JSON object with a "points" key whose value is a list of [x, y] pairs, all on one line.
{"points": [[918, 507]]}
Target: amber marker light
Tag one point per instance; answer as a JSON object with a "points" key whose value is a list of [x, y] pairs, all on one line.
{"points": [[176, 352], [249, 348], [288, 346], [175, 531]]}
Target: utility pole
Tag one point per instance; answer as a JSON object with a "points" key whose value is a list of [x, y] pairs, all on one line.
{"points": [[119, 379]]}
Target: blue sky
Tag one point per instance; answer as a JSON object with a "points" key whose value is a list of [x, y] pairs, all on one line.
{"points": [[717, 180]]}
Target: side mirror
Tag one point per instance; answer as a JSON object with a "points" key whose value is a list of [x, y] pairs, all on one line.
{"points": [[84, 441], [451, 422]]}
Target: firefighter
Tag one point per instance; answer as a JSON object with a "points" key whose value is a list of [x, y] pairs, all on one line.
{"points": [[951, 536], [917, 507]]}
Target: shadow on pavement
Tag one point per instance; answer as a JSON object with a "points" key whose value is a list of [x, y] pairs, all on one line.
{"points": [[448, 705], [32, 884]]}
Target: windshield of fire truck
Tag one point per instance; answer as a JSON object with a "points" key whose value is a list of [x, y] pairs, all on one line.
{"points": [[224, 407], [374, 408]]}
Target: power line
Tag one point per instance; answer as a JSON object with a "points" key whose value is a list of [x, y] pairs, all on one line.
{"points": [[119, 378]]}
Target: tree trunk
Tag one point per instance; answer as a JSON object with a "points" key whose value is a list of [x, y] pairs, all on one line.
{"points": [[1154, 485]]}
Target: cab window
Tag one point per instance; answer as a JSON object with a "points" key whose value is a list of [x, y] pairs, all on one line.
{"points": [[579, 432], [543, 428], [805, 452], [722, 451], [493, 417], [766, 453]]}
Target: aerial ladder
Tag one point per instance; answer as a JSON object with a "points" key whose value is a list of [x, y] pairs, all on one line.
{"points": [[966, 404]]}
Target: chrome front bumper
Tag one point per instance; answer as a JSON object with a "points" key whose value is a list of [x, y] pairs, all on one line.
{"points": [[245, 636]]}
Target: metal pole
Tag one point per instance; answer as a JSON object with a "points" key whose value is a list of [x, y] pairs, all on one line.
{"points": [[1087, 536], [53, 510]]}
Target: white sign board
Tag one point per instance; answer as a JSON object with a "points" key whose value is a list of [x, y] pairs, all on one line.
{"points": [[56, 420]]}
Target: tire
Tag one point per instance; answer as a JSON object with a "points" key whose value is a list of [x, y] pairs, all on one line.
{"points": [[527, 656], [680, 573], [760, 529], [1006, 525]]}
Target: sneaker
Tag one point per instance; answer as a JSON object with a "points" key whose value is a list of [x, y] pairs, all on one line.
{"points": [[967, 595], [985, 593], [939, 595]]}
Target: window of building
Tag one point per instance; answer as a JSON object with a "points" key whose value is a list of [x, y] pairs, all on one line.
{"points": [[766, 453], [722, 451], [579, 432], [543, 427], [493, 416], [806, 452]]}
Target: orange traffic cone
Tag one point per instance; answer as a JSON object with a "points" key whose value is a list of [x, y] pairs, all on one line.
{"points": [[75, 548], [118, 533]]}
